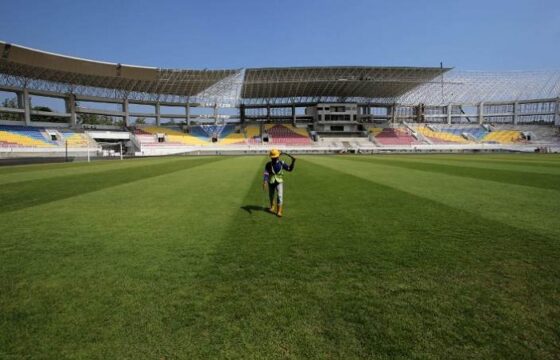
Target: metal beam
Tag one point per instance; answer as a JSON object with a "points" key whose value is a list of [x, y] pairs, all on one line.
{"points": [[11, 110]]}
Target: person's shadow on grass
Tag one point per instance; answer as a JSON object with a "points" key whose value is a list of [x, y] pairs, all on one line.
{"points": [[251, 208]]}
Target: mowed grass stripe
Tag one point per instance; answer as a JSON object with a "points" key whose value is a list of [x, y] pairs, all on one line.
{"points": [[356, 269], [522, 207], [544, 181], [33, 172], [529, 158], [14, 196], [107, 274], [548, 161], [521, 166]]}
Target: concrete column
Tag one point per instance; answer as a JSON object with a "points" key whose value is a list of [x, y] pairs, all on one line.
{"points": [[26, 107], [557, 120], [242, 113], [158, 115], [125, 111], [294, 114], [481, 113], [267, 112], [449, 109], [515, 106], [20, 102], [216, 114], [71, 108], [393, 113], [188, 112]]}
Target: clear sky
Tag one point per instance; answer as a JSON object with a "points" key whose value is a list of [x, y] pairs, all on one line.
{"points": [[468, 35]]}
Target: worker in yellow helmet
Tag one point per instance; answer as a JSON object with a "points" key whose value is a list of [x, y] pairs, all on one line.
{"points": [[274, 179]]}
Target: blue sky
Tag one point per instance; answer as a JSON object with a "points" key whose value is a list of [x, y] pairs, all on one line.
{"points": [[469, 35]]}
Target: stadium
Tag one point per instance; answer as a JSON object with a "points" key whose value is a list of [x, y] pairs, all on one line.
{"points": [[106, 109], [414, 213]]}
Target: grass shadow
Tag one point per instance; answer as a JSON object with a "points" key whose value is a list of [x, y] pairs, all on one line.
{"points": [[251, 208]]}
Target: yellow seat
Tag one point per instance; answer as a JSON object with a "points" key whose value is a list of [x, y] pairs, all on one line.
{"points": [[175, 136], [503, 136], [441, 135], [22, 140], [252, 131]]}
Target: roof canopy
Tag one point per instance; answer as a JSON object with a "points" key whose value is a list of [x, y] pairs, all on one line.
{"points": [[21, 61], [263, 83], [345, 82]]}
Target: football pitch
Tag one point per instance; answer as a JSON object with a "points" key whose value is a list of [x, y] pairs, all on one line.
{"points": [[383, 257]]}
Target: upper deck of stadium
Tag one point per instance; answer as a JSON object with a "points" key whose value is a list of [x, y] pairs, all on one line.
{"points": [[23, 67]]}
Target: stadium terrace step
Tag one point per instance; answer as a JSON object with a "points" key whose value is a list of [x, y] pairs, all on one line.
{"points": [[441, 137], [287, 135], [172, 136], [25, 136], [503, 137], [395, 136]]}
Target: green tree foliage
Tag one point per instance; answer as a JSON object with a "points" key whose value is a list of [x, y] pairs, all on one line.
{"points": [[46, 118], [96, 119]]}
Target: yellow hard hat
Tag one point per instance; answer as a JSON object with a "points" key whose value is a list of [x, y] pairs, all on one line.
{"points": [[274, 153]]}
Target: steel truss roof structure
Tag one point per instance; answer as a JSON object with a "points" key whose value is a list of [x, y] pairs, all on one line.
{"points": [[25, 68], [473, 87], [342, 82]]}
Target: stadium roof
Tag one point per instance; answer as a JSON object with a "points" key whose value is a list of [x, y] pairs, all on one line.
{"points": [[343, 82], [22, 61], [346, 81]]}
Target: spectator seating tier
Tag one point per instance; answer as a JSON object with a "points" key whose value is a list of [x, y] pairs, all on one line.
{"points": [[172, 136], [441, 137], [396, 136], [503, 137], [287, 135], [24, 136]]}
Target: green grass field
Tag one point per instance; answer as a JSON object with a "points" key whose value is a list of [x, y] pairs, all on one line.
{"points": [[382, 257]]}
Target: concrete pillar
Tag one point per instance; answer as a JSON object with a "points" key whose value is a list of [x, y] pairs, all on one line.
{"points": [[449, 109], [294, 114], [125, 111], [394, 113], [158, 115], [481, 113], [71, 108], [515, 106], [216, 114], [188, 112], [26, 107], [20, 103], [242, 113], [267, 112], [557, 120]]}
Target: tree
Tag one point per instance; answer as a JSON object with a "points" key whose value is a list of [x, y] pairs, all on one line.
{"points": [[94, 119], [46, 118], [140, 120]]}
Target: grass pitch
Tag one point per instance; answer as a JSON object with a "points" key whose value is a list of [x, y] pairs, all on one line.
{"points": [[428, 256]]}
